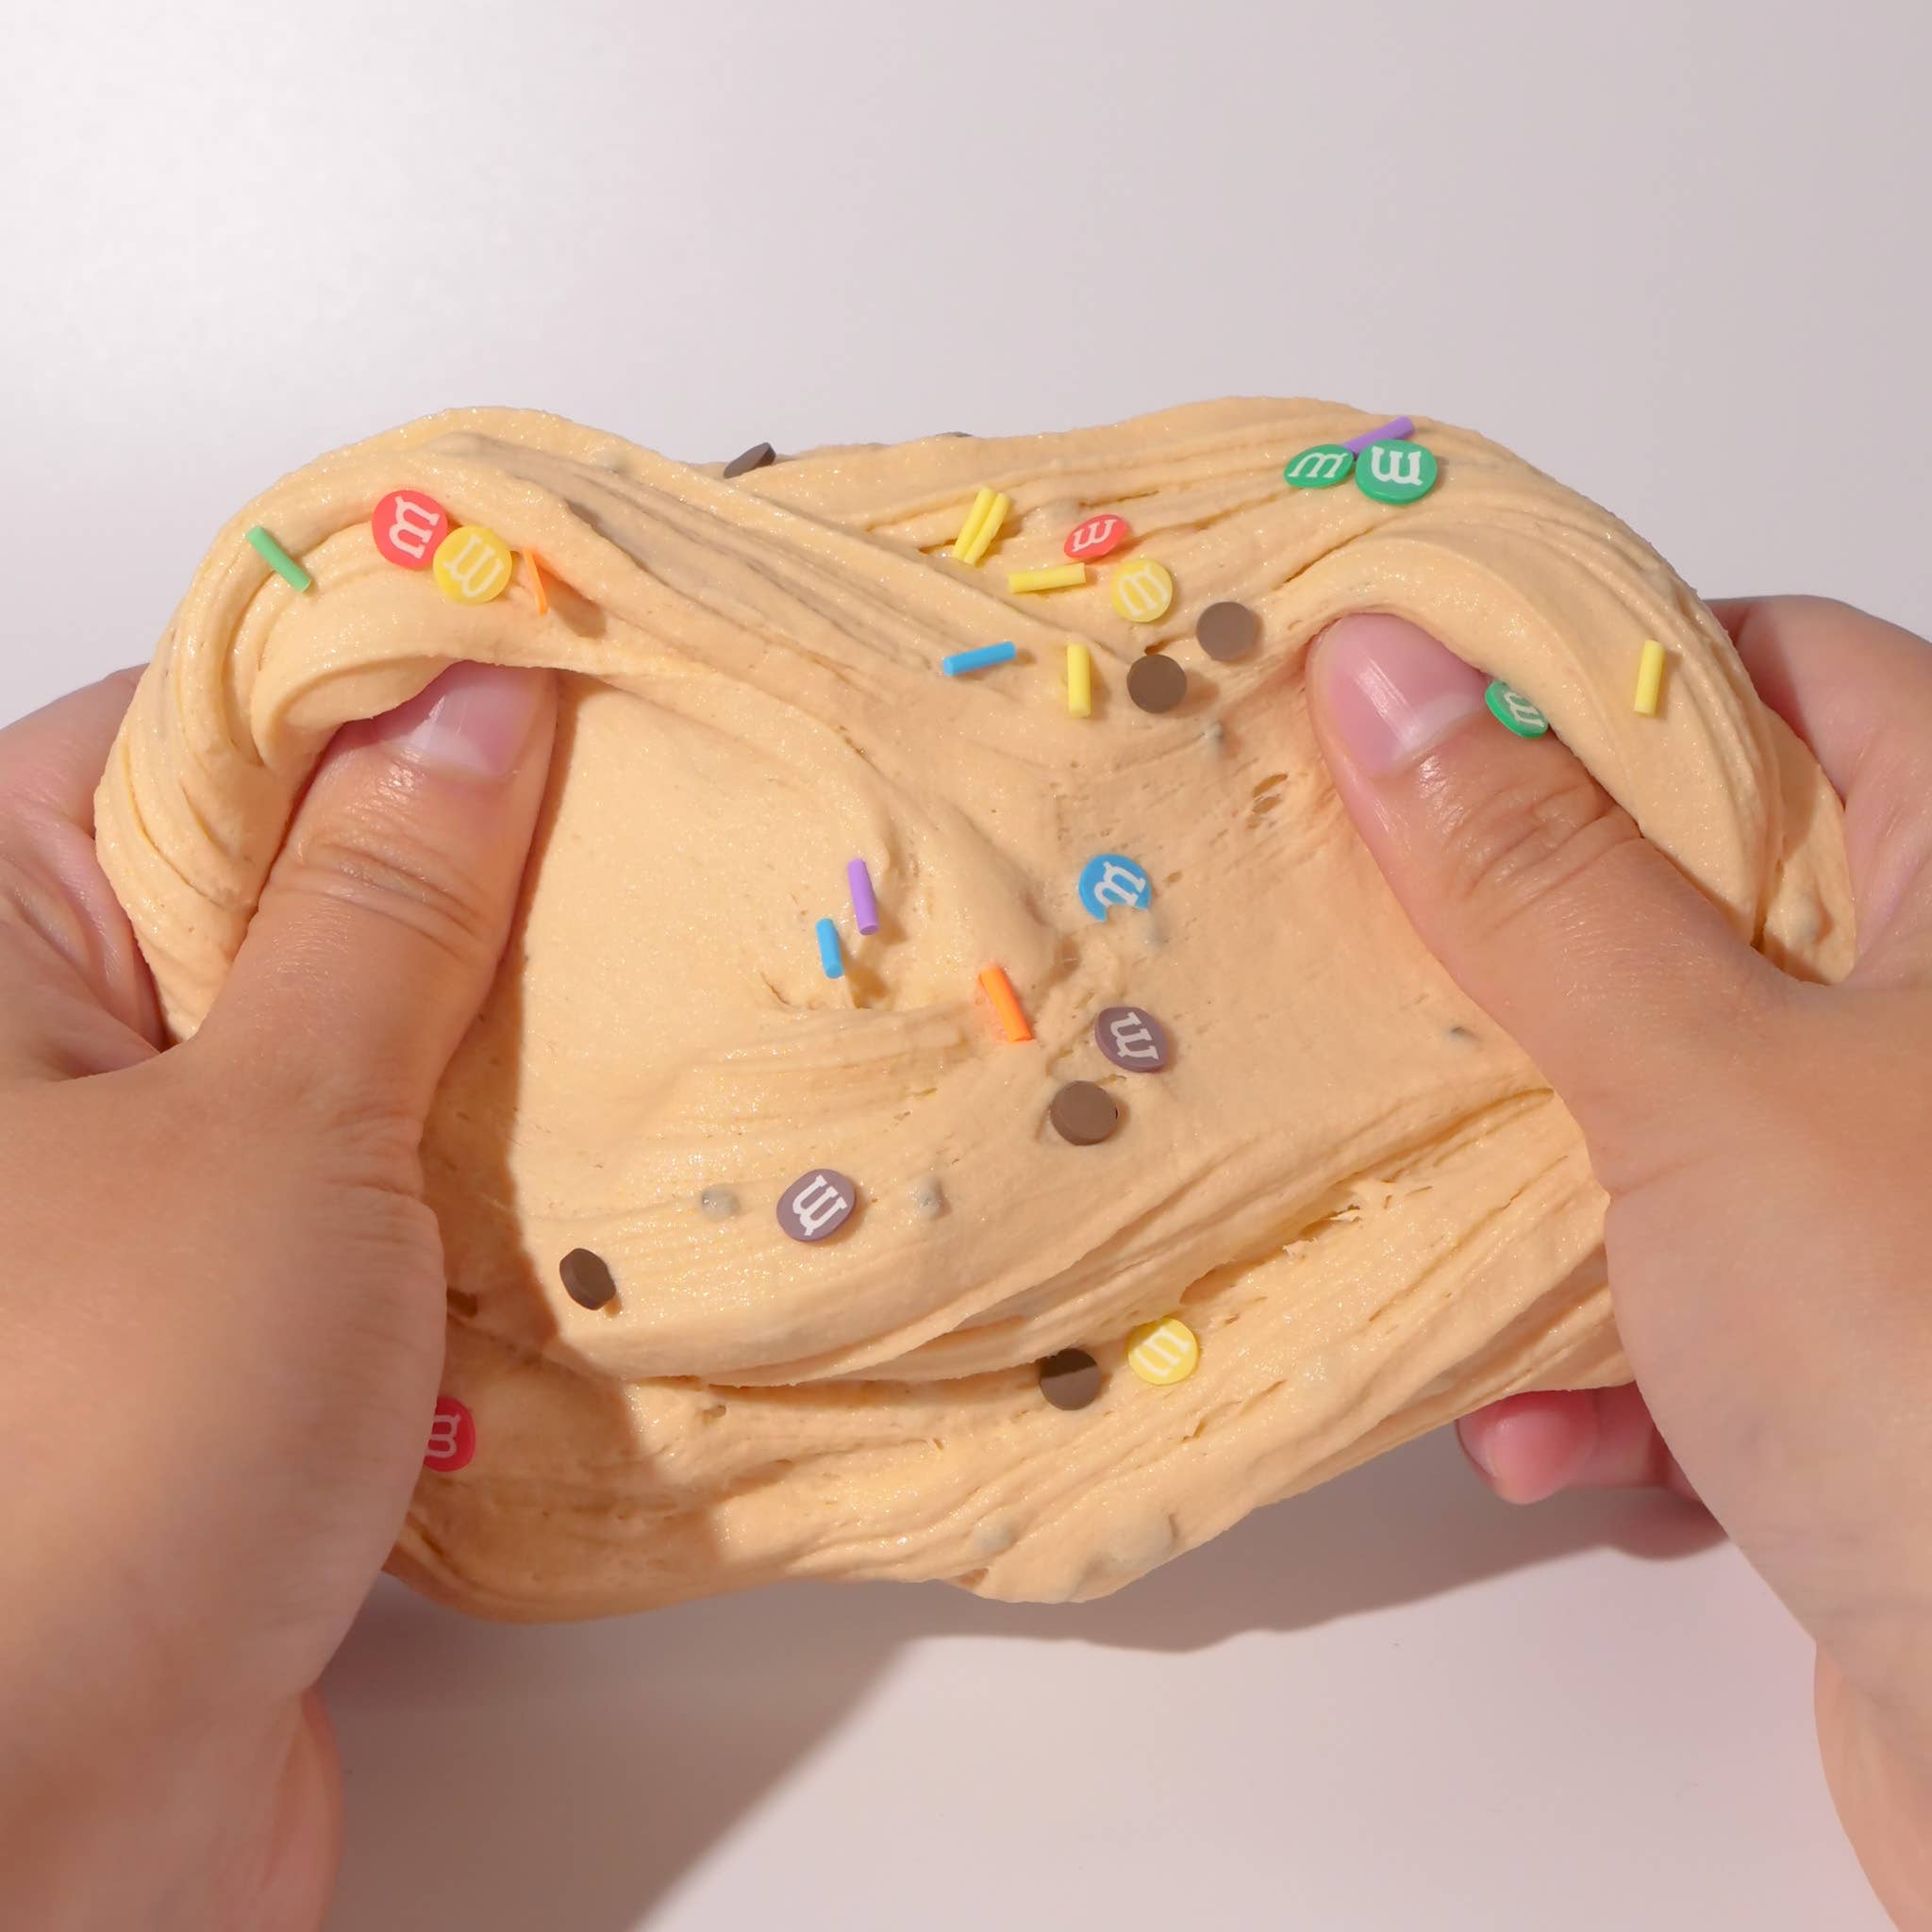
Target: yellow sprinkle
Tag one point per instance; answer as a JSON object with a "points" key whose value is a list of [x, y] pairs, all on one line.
{"points": [[1163, 1352], [1143, 592], [1080, 682], [1650, 677], [1057, 576], [988, 530], [970, 528]]}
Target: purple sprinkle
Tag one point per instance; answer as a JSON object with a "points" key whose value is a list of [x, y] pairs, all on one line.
{"points": [[865, 908], [1403, 425]]}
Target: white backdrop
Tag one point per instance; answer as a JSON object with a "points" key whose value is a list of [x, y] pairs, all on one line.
{"points": [[1674, 254]]}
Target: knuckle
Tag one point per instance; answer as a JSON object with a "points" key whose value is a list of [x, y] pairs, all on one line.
{"points": [[1519, 847]]}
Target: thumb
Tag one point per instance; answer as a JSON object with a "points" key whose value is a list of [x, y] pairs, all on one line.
{"points": [[1538, 892], [382, 922]]}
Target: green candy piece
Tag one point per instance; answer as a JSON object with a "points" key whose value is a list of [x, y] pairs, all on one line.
{"points": [[1514, 711], [1395, 472], [278, 560], [1319, 467]]}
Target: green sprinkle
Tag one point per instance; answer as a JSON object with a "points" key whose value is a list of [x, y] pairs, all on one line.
{"points": [[278, 560], [1513, 710], [1397, 471]]}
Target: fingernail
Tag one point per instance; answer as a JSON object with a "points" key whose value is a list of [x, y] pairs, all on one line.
{"points": [[1391, 690], [472, 722], [1475, 1439]]}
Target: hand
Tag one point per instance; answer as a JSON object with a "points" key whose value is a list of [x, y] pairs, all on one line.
{"points": [[1765, 1142], [222, 1312]]}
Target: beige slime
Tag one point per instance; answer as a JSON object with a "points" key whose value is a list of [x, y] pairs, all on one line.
{"points": [[1358, 1195]]}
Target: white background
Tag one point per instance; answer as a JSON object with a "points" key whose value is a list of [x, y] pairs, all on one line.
{"points": [[1675, 252]]}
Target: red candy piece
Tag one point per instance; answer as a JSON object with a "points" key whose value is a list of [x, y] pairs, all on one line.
{"points": [[452, 1436], [408, 527], [1097, 536]]}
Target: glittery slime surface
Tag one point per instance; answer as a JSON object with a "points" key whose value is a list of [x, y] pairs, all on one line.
{"points": [[1359, 1196]]}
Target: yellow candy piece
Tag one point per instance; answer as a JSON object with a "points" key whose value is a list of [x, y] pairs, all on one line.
{"points": [[982, 503], [1142, 591], [988, 527], [1055, 576], [1650, 677], [1080, 682], [1163, 1352], [472, 564]]}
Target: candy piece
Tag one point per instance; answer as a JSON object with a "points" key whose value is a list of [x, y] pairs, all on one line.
{"points": [[1070, 1379], [1097, 536], [717, 1203], [963, 661], [1142, 591], [817, 1205], [1156, 683], [1227, 630], [1395, 472], [928, 1197], [452, 1436], [586, 1278], [278, 560], [1080, 682], [830, 958], [473, 565], [1132, 1039], [1511, 708], [756, 457], [982, 526], [1107, 879], [1401, 427], [1650, 677], [536, 590], [865, 908], [1005, 1003], [1163, 1352], [1055, 576], [1083, 1113], [408, 526], [1320, 466]]}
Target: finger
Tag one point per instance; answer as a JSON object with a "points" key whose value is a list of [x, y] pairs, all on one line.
{"points": [[1528, 1447], [52, 759], [1536, 891], [1858, 692], [384, 917]]}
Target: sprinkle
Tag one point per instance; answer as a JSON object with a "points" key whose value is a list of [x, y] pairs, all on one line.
{"points": [[408, 527], [1083, 1114], [963, 661], [586, 1278], [278, 560], [1395, 472], [536, 590], [1055, 576], [816, 1205], [1650, 677], [1163, 1352], [1319, 467], [473, 565], [994, 984], [1079, 681], [1070, 1379], [1401, 427], [1143, 592], [1214, 735], [981, 527], [1132, 1039], [1513, 710], [452, 1436], [756, 457], [1227, 630], [1155, 683], [1097, 536], [717, 1203], [928, 1199], [865, 908], [1108, 879], [830, 958]]}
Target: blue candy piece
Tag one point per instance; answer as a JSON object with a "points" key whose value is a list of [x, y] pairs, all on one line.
{"points": [[979, 660], [830, 958], [1112, 880]]}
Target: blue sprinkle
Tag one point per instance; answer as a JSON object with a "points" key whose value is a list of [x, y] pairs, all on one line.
{"points": [[830, 958], [1110, 880], [977, 661]]}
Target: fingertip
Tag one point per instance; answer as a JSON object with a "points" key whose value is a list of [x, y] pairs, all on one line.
{"points": [[1528, 1447]]}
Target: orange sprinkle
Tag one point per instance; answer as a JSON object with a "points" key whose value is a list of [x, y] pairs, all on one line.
{"points": [[1005, 1003], [542, 596]]}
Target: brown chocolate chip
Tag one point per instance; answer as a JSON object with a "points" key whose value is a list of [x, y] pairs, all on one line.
{"points": [[1083, 1113], [817, 1205], [1070, 1379], [756, 457], [1134, 1040], [1228, 631], [586, 1278], [1156, 683]]}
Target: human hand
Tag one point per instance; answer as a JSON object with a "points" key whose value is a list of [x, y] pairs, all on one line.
{"points": [[1764, 1143], [222, 1320]]}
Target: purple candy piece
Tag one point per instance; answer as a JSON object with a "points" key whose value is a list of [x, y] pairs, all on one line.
{"points": [[1403, 425], [864, 907]]}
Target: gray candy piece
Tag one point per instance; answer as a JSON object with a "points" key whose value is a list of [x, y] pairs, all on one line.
{"points": [[817, 1205], [1132, 1039]]}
